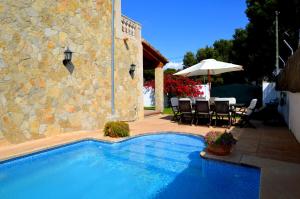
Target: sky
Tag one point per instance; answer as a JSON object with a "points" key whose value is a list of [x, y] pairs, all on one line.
{"points": [[176, 26]]}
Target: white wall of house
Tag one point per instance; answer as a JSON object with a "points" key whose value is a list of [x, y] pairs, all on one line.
{"points": [[205, 90], [294, 114], [290, 110], [149, 97]]}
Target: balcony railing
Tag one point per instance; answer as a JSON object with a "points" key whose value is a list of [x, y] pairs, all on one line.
{"points": [[129, 27]]}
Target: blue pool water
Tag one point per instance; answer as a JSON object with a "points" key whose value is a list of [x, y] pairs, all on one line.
{"points": [[152, 166]]}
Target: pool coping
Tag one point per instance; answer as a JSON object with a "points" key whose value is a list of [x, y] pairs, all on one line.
{"points": [[202, 154], [54, 146], [67, 143], [121, 140]]}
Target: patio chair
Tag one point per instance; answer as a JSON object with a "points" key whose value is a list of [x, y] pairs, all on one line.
{"points": [[202, 108], [232, 100], [175, 109], [185, 109], [222, 109], [246, 113]]}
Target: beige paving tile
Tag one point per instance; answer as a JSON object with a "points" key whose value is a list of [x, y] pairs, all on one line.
{"points": [[234, 157], [278, 179]]}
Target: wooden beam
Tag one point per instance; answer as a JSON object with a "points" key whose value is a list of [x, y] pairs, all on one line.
{"points": [[150, 54]]}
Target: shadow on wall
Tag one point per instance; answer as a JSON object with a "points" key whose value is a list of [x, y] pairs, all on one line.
{"points": [[69, 66]]}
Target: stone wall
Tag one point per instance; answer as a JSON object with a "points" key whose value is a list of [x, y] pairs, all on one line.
{"points": [[38, 96]]}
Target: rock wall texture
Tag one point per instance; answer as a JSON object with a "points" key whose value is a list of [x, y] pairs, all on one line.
{"points": [[38, 95]]}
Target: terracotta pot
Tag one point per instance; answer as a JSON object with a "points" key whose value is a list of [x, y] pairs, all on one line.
{"points": [[219, 149]]}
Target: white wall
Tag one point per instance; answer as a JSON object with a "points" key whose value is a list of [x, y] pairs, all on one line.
{"points": [[205, 90], [269, 92], [284, 106], [294, 114], [149, 97], [290, 110]]}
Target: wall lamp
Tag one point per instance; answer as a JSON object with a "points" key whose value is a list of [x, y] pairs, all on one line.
{"points": [[68, 60], [132, 70]]}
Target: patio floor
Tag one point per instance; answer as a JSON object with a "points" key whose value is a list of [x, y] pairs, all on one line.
{"points": [[273, 149]]}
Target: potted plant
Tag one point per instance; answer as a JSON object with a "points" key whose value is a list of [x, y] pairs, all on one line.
{"points": [[219, 143]]}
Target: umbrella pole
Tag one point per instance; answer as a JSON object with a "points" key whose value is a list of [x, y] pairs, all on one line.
{"points": [[209, 81]]}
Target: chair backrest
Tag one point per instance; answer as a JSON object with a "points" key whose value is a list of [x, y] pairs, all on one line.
{"points": [[185, 105], [251, 107], [174, 101], [252, 104], [222, 107], [212, 100], [202, 106], [232, 100], [193, 100]]}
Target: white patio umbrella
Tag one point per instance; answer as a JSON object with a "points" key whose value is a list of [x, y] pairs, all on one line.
{"points": [[209, 67]]}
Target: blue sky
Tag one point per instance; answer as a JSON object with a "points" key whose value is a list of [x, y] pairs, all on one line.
{"points": [[177, 26]]}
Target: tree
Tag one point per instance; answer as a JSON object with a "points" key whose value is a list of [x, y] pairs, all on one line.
{"points": [[189, 60], [205, 53], [254, 46], [170, 71], [239, 53], [222, 50], [261, 33], [179, 86], [149, 74]]}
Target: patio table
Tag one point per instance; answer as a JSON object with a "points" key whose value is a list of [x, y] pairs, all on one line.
{"points": [[233, 107]]}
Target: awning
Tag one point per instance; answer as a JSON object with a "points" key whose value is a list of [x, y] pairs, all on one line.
{"points": [[152, 58]]}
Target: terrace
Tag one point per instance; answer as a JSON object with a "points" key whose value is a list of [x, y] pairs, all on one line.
{"points": [[46, 106], [273, 149]]}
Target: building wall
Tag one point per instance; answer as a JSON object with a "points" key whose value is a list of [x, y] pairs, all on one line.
{"points": [[38, 96], [284, 105], [290, 110], [129, 100], [288, 84], [294, 114]]}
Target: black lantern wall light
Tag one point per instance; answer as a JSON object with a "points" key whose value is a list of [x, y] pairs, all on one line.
{"points": [[68, 60], [132, 70]]}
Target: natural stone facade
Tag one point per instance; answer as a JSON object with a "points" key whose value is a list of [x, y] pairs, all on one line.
{"points": [[38, 96], [159, 88]]}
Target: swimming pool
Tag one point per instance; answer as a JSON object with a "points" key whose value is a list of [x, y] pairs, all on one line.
{"points": [[151, 166]]}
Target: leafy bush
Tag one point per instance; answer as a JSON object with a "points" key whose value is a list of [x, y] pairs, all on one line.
{"points": [[179, 86], [220, 138], [116, 129]]}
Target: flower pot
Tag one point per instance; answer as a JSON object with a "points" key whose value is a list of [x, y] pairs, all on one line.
{"points": [[219, 149]]}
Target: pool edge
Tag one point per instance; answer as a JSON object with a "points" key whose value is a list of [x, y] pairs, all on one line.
{"points": [[71, 142]]}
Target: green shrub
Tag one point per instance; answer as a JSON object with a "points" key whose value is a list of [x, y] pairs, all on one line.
{"points": [[116, 129]]}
